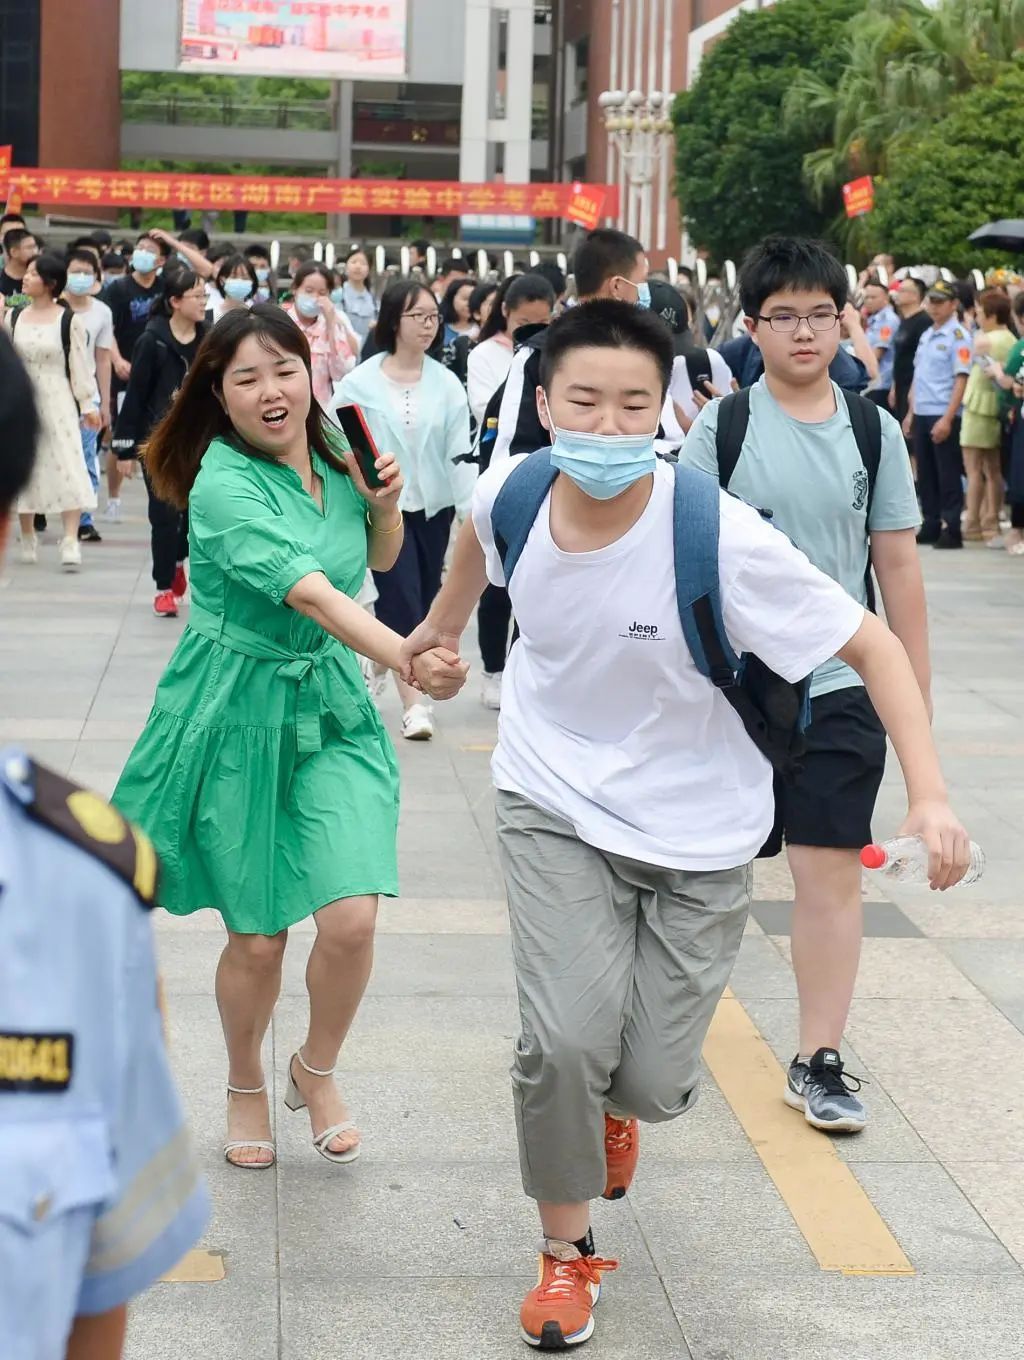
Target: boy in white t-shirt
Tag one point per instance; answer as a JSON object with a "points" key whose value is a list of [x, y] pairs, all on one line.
{"points": [[630, 799]]}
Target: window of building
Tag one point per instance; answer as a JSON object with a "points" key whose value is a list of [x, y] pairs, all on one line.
{"points": [[19, 78], [581, 55]]}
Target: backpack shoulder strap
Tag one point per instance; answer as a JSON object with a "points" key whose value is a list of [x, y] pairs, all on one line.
{"points": [[866, 421], [733, 419], [696, 520], [66, 318], [517, 505], [15, 314], [697, 362]]}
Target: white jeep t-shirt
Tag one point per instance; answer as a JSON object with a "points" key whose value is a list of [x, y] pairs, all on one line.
{"points": [[606, 721]]}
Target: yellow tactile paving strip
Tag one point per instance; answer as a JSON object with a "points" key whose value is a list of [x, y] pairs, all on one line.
{"points": [[841, 1226], [197, 1267]]}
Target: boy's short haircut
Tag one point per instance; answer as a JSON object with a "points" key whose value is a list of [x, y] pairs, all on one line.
{"points": [[14, 238], [529, 287], [547, 269], [607, 324], [257, 252], [915, 282], [875, 282], [605, 254], [82, 255], [780, 264], [195, 236], [112, 260]]}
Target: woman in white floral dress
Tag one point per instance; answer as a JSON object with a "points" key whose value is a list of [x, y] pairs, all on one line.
{"points": [[65, 398]]}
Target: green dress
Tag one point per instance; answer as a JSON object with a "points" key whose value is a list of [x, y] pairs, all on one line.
{"points": [[264, 774]]}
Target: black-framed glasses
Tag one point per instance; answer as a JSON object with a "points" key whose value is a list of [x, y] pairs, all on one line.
{"points": [[424, 318], [821, 319]]}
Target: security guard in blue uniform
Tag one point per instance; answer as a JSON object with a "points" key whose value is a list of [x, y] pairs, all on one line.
{"points": [[881, 328], [941, 368], [100, 1193]]}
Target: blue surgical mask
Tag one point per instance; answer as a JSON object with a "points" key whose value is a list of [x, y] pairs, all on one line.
{"points": [[144, 261], [337, 296], [109, 278], [263, 293], [263, 274], [238, 290], [643, 295], [183, 258], [307, 304], [81, 284], [603, 465]]}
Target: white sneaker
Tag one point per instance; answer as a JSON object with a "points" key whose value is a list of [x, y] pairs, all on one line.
{"points": [[112, 514], [29, 549], [70, 554], [490, 692], [417, 723]]}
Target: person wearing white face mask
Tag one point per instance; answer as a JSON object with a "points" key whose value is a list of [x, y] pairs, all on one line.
{"points": [[130, 301], [259, 258], [236, 285], [98, 322], [333, 344], [631, 796]]}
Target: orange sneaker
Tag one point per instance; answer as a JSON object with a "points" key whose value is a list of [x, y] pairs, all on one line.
{"points": [[622, 1150], [559, 1312]]}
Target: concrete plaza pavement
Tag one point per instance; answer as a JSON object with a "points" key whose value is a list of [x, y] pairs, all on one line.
{"points": [[423, 1248]]}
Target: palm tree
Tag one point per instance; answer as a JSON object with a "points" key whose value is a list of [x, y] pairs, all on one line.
{"points": [[906, 60]]}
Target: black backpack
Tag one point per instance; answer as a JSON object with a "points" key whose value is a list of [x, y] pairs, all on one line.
{"points": [[66, 318], [865, 419]]}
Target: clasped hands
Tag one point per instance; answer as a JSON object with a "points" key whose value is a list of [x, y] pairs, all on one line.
{"points": [[431, 662]]}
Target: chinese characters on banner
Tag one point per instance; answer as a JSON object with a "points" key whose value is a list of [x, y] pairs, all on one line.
{"points": [[584, 204], [859, 196], [8, 190]]}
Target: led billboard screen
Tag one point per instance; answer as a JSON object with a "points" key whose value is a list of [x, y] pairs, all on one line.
{"points": [[336, 39]]}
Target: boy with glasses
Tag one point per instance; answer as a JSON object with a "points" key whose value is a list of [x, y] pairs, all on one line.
{"points": [[837, 481]]}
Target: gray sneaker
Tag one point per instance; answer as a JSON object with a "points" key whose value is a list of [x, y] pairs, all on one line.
{"points": [[820, 1089]]}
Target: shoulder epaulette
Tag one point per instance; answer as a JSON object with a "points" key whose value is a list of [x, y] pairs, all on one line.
{"points": [[88, 821]]}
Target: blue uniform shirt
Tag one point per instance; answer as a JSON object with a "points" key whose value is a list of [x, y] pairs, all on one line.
{"points": [[100, 1193], [881, 330], [943, 355]]}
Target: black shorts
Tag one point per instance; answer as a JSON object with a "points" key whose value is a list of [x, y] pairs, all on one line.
{"points": [[831, 801], [407, 591]]}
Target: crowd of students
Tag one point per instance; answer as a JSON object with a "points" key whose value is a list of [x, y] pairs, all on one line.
{"points": [[630, 804]]}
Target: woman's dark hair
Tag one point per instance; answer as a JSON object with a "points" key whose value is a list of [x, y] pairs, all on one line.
{"points": [[782, 264], [196, 417], [479, 296], [360, 250], [52, 271], [448, 317], [996, 304], [307, 270], [177, 280], [396, 300], [607, 324], [497, 322], [228, 266]]}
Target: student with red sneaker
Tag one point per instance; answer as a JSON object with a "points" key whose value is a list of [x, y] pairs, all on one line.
{"points": [[631, 796]]}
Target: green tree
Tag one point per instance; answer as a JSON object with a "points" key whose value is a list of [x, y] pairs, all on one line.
{"points": [[904, 61], [964, 171], [739, 173]]}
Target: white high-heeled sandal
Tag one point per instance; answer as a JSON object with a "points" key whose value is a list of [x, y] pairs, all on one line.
{"points": [[249, 1142], [293, 1099]]}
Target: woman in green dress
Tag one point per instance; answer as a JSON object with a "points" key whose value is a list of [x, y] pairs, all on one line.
{"points": [[264, 774]]}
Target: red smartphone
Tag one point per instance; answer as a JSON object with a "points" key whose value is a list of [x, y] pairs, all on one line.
{"points": [[357, 432]]}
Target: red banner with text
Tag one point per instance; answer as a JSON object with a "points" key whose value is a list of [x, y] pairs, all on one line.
{"points": [[584, 204]]}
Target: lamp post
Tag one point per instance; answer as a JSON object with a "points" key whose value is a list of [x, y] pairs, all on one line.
{"points": [[637, 125]]}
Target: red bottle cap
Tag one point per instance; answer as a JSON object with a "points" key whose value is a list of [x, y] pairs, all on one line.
{"points": [[873, 857]]}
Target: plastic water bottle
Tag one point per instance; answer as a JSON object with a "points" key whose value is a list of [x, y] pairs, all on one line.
{"points": [[905, 860]]}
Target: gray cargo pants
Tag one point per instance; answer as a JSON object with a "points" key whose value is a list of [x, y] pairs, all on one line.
{"points": [[619, 966]]}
